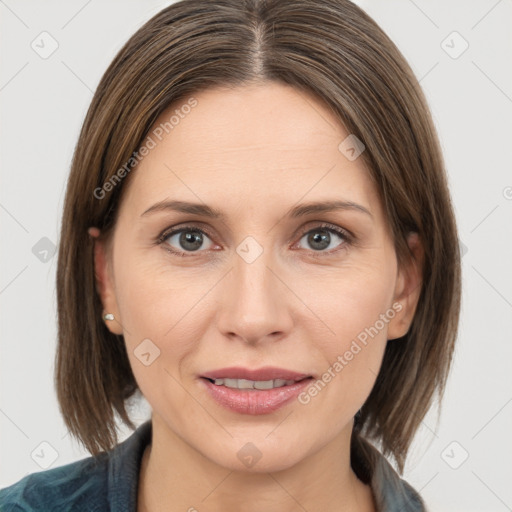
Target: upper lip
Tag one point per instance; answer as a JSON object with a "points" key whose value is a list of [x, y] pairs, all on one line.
{"points": [[265, 373]]}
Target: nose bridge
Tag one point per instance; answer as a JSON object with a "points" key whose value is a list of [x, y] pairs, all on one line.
{"points": [[253, 305]]}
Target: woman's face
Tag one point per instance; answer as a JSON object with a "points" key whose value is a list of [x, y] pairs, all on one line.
{"points": [[259, 285]]}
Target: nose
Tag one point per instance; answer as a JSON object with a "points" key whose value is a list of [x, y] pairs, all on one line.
{"points": [[255, 301]]}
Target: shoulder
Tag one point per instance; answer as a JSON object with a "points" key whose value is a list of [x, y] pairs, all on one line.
{"points": [[81, 485], [107, 481]]}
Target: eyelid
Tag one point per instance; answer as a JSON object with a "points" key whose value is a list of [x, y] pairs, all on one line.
{"points": [[167, 232], [320, 224]]}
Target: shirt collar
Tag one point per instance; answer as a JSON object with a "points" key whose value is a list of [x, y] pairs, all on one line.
{"points": [[124, 469], [390, 492]]}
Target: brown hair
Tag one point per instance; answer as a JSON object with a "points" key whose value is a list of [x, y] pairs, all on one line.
{"points": [[330, 48]]}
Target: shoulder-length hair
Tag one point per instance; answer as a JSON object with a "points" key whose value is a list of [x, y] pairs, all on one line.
{"points": [[330, 48]]}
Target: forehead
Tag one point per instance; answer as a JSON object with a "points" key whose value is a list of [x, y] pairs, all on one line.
{"points": [[247, 146]]}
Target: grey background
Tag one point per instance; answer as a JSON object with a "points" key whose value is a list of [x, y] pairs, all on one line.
{"points": [[43, 103]]}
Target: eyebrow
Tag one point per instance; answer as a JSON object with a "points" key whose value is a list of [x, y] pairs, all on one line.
{"points": [[295, 212]]}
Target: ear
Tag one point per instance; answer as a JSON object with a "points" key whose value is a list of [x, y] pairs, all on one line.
{"points": [[408, 289], [105, 282]]}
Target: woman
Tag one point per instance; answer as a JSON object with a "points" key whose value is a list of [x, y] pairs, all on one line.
{"points": [[258, 237]]}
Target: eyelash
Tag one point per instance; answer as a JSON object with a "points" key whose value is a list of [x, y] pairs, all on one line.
{"points": [[348, 238]]}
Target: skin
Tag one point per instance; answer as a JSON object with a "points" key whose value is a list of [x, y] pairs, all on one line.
{"points": [[253, 152]]}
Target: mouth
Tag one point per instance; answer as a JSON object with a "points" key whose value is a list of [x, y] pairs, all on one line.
{"points": [[254, 391], [247, 384]]}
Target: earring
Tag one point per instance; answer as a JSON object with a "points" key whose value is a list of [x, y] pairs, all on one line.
{"points": [[108, 316]]}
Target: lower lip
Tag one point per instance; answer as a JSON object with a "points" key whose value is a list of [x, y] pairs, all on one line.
{"points": [[247, 401]]}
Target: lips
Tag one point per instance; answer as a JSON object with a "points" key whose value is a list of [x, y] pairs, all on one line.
{"points": [[254, 392], [261, 374]]}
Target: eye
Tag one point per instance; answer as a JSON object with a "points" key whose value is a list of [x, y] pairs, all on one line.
{"points": [[186, 239], [321, 237]]}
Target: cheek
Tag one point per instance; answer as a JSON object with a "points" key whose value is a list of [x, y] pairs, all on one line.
{"points": [[149, 297], [355, 308], [351, 299], [154, 309], [167, 307]]}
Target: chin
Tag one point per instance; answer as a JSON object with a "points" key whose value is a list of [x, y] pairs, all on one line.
{"points": [[258, 456]]}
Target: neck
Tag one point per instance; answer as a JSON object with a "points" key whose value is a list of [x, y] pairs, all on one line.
{"points": [[175, 477]]}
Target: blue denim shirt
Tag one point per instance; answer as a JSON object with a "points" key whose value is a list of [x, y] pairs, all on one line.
{"points": [[109, 482]]}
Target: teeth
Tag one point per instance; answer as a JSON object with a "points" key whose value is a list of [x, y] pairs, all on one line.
{"points": [[253, 384]]}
